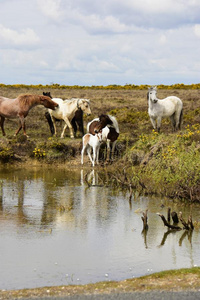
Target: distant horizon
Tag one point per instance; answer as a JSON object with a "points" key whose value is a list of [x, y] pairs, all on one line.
{"points": [[131, 85]]}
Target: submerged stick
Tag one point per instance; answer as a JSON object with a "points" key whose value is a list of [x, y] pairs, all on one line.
{"points": [[190, 223], [167, 224], [144, 219]]}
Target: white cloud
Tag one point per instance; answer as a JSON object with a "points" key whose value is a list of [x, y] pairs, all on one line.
{"points": [[24, 37], [50, 8], [108, 24], [163, 39], [109, 41], [146, 13], [197, 30]]}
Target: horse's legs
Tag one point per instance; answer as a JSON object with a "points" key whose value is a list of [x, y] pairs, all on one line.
{"points": [[153, 122], [113, 149], [94, 154], [54, 124], [97, 150], [18, 130], [178, 119], [73, 122], [80, 123], [49, 120], [173, 121], [79, 120], [82, 154], [67, 123], [89, 154], [159, 123], [2, 125], [21, 125], [108, 150]]}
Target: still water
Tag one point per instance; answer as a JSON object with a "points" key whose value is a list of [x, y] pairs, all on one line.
{"points": [[55, 230]]}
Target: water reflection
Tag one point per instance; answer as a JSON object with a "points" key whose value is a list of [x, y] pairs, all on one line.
{"points": [[60, 226]]}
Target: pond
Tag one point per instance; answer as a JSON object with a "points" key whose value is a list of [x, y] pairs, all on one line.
{"points": [[55, 230]]}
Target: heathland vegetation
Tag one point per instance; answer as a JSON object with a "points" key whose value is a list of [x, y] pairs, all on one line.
{"points": [[166, 164]]}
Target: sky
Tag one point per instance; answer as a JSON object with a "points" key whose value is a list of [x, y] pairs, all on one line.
{"points": [[88, 42]]}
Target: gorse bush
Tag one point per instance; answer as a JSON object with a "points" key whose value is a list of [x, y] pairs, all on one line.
{"points": [[6, 153], [39, 153], [111, 86], [170, 164]]}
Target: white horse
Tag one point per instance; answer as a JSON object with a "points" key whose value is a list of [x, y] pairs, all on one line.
{"points": [[110, 131], [91, 142], [66, 111], [171, 107]]}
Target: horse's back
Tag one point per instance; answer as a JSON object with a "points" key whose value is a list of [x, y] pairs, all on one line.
{"points": [[2, 99], [175, 100], [58, 100], [91, 125]]}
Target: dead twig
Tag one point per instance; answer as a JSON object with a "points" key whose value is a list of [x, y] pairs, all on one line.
{"points": [[185, 224], [167, 224]]}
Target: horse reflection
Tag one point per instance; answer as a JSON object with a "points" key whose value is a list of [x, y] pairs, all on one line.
{"points": [[92, 178]]}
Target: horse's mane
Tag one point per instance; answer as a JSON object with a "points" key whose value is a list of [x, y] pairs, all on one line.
{"points": [[28, 99]]}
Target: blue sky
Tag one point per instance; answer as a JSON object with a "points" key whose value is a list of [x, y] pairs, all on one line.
{"points": [[87, 42]]}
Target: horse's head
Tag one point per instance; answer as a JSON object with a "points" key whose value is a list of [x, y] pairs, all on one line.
{"points": [[152, 94], [104, 121], [84, 105], [48, 103]]}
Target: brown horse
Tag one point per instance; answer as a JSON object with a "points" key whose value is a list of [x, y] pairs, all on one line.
{"points": [[20, 106]]}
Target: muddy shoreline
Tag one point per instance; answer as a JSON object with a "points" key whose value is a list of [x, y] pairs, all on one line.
{"points": [[175, 280]]}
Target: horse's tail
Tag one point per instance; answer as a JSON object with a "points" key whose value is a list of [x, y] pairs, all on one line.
{"points": [[180, 119]]}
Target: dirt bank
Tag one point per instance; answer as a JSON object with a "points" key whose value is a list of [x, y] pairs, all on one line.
{"points": [[178, 280]]}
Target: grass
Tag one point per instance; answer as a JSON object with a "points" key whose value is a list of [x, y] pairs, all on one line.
{"points": [[164, 164]]}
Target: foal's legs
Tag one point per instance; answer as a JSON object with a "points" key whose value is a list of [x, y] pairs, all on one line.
{"points": [[89, 154], [97, 150], [82, 154], [2, 125]]}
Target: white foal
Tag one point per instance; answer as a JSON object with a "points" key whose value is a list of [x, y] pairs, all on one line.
{"points": [[91, 142]]}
